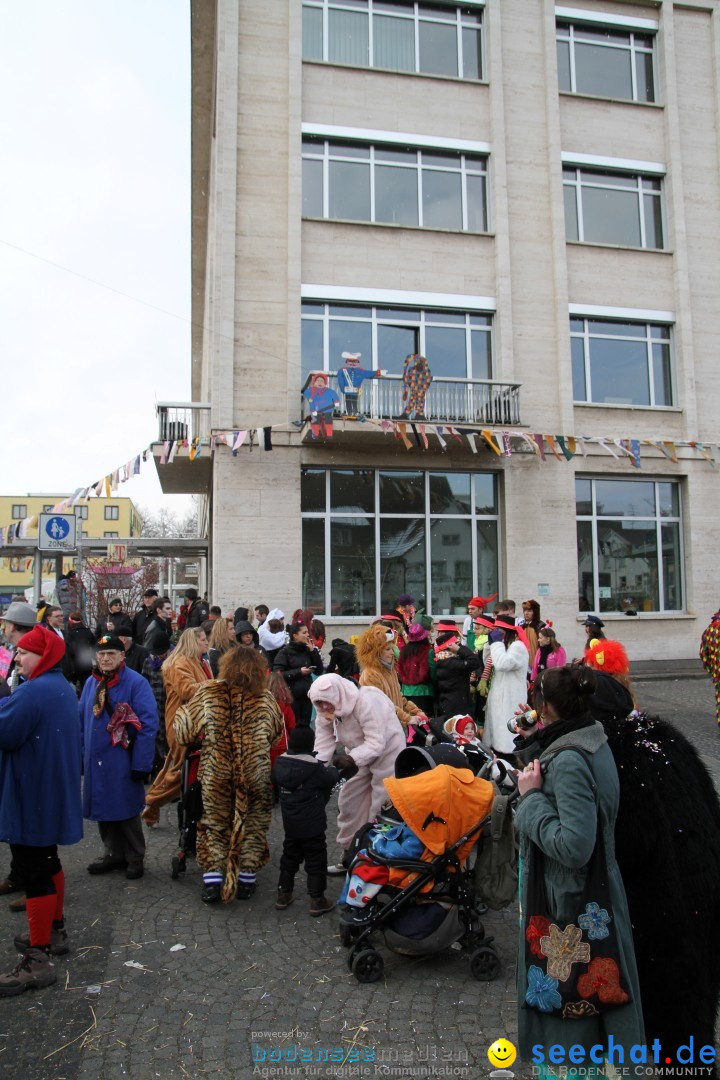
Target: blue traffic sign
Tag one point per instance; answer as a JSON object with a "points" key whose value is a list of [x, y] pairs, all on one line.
{"points": [[57, 528]]}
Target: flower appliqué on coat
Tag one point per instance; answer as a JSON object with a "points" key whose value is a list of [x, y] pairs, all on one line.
{"points": [[595, 921], [564, 948], [538, 927], [542, 992], [602, 978]]}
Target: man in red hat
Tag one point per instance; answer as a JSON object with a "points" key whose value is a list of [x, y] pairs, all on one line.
{"points": [[39, 799]]}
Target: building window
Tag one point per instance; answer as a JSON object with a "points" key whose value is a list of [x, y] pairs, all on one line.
{"points": [[19, 511], [111, 535], [370, 535], [112, 513], [621, 363], [608, 207], [438, 39], [458, 344], [607, 61], [629, 538], [81, 512], [399, 185], [47, 508]]}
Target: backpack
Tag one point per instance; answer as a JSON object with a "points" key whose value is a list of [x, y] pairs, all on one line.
{"points": [[496, 866]]}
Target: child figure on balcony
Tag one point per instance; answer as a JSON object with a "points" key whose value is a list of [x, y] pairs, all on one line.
{"points": [[322, 401], [416, 379], [350, 379]]}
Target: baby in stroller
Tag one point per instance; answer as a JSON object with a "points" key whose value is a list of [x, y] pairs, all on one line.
{"points": [[409, 879]]}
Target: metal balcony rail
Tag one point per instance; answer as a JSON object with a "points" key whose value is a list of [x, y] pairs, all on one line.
{"points": [[182, 420], [450, 401]]}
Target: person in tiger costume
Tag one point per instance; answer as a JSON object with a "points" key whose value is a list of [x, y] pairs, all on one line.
{"points": [[237, 720]]}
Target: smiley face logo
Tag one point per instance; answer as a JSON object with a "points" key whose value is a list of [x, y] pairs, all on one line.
{"points": [[502, 1054]]}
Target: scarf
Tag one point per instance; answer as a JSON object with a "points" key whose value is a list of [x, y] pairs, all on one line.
{"points": [[549, 734], [118, 723], [544, 651], [105, 683]]}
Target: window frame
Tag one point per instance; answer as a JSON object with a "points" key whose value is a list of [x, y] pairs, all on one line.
{"points": [[586, 335], [81, 512], [417, 16], [111, 535], [329, 516], [19, 511], [636, 172], [677, 519], [599, 21], [112, 513]]}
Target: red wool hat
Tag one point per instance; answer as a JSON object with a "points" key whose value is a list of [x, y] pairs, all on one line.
{"points": [[44, 643], [481, 601]]}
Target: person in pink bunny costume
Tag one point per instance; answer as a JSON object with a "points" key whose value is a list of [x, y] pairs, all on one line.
{"points": [[364, 721]]}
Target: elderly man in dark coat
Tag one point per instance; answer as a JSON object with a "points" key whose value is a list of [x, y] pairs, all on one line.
{"points": [[39, 799]]}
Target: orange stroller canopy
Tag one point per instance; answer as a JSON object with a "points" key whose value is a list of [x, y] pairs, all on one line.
{"points": [[441, 805]]}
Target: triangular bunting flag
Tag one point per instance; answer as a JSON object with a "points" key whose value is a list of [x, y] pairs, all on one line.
{"points": [[540, 445], [567, 453]]}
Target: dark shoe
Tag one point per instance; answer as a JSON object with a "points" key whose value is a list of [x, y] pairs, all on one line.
{"points": [[284, 899], [8, 886], [35, 970], [244, 892], [211, 894], [105, 865], [19, 904], [59, 944], [320, 905], [134, 872]]}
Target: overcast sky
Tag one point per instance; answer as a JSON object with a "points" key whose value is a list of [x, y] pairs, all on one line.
{"points": [[95, 137]]}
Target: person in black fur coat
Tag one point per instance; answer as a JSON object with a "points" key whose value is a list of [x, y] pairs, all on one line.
{"points": [[667, 844]]}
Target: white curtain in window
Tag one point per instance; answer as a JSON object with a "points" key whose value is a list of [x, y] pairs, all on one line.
{"points": [[393, 43], [348, 37]]}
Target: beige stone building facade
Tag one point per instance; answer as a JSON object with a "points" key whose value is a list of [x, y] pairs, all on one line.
{"points": [[526, 193]]}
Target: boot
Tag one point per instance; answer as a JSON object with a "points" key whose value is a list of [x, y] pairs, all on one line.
{"points": [[134, 872], [19, 904], [106, 864], [245, 891], [35, 970], [211, 894], [59, 944], [320, 905], [284, 899], [8, 886]]}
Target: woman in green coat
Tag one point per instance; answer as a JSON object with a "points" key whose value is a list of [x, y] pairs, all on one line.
{"points": [[570, 791]]}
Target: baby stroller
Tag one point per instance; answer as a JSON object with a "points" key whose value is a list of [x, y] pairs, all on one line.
{"points": [[421, 905], [190, 810]]}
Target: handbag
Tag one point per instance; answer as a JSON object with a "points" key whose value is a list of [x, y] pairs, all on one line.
{"points": [[573, 971]]}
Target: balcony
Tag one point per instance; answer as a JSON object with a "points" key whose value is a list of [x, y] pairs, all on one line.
{"points": [[479, 402], [179, 420]]}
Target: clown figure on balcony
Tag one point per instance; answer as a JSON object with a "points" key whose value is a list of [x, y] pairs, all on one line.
{"points": [[350, 379], [322, 401], [416, 379]]}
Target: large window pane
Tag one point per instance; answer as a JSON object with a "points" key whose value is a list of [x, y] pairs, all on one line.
{"points": [[312, 34], [610, 217], [352, 489], [449, 493], [402, 493], [348, 40], [442, 199], [349, 189], [627, 566], [313, 563], [487, 558], [312, 188], [312, 490], [586, 590], [352, 574], [312, 347], [625, 498], [451, 561], [394, 344], [619, 372], [672, 566], [438, 49], [396, 195], [346, 336], [599, 70], [393, 43], [402, 560], [446, 351], [577, 349]]}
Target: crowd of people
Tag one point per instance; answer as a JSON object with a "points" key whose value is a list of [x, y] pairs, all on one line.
{"points": [[272, 720]]}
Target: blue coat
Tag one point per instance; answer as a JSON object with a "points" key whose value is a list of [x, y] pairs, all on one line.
{"points": [[109, 793], [40, 763]]}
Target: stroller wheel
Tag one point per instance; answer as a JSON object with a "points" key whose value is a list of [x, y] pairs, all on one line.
{"points": [[485, 964], [367, 966], [346, 935], [175, 872]]}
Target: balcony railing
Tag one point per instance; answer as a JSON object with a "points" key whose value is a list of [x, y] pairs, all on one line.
{"points": [[182, 420], [448, 401]]}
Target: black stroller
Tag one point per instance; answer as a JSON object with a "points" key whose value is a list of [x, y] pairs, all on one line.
{"points": [[447, 808], [190, 810]]}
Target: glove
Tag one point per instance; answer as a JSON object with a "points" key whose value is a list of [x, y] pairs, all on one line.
{"points": [[496, 635], [483, 687], [136, 774]]}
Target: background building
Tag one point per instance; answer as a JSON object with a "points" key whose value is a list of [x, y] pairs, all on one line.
{"points": [[528, 194]]}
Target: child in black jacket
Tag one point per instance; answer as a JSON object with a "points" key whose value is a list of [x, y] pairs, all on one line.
{"points": [[304, 785]]}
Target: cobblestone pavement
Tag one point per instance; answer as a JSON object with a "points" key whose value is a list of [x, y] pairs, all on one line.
{"points": [[249, 974]]}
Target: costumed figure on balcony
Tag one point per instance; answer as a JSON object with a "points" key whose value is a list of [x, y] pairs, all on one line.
{"points": [[350, 379], [416, 379], [322, 401]]}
